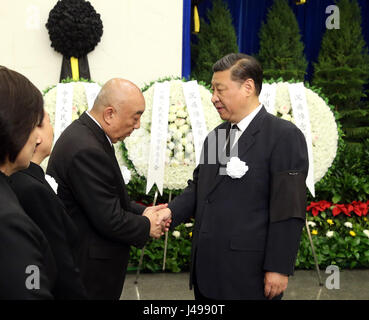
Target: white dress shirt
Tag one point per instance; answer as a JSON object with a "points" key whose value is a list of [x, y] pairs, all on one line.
{"points": [[244, 123]]}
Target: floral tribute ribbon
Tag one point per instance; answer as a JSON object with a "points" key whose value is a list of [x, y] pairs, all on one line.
{"points": [[267, 96], [63, 108], [92, 90], [302, 120], [195, 110], [159, 131]]}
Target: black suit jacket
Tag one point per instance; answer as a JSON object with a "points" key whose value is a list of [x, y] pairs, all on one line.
{"points": [[92, 189], [246, 226], [22, 246], [44, 207]]}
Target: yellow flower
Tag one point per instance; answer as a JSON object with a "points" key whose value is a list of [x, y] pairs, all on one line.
{"points": [[314, 232], [365, 219], [190, 234], [352, 233], [330, 221]]}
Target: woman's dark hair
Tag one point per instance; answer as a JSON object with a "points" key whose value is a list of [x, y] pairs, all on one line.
{"points": [[21, 110], [242, 67]]}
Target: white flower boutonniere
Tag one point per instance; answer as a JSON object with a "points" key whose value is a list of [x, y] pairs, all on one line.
{"points": [[126, 174], [51, 181], [236, 168]]}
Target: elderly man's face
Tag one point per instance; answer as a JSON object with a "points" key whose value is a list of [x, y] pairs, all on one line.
{"points": [[126, 119], [229, 96]]}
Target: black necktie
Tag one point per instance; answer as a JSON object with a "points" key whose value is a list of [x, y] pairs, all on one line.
{"points": [[231, 134]]}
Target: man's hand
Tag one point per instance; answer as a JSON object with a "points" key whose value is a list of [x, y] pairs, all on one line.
{"points": [[274, 284], [165, 218], [156, 228]]}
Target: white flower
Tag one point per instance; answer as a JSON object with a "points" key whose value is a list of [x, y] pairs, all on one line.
{"points": [[182, 114], [185, 128], [172, 127], [236, 168], [171, 145], [189, 147], [188, 225], [172, 117], [180, 122], [51, 181], [176, 234], [348, 225], [311, 224], [126, 173], [366, 232], [329, 234]]}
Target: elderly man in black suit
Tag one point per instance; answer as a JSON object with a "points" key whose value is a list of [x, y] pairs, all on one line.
{"points": [[92, 188], [249, 205], [43, 206]]}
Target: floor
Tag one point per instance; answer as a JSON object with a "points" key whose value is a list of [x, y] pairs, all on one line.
{"points": [[304, 285]]}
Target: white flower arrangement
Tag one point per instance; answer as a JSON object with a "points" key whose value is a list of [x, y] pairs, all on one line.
{"points": [[80, 105], [236, 168], [324, 132], [180, 152]]}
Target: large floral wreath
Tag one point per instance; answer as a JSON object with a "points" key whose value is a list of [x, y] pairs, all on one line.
{"points": [[324, 130], [180, 153]]}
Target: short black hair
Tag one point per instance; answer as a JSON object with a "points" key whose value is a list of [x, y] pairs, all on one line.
{"points": [[242, 67], [21, 110]]}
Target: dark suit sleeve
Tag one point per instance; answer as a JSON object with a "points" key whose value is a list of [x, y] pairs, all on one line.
{"points": [[137, 208], [183, 206], [21, 246], [92, 181], [287, 207], [47, 213]]}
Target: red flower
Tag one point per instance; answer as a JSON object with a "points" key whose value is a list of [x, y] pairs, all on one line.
{"points": [[317, 207], [346, 209], [360, 208]]}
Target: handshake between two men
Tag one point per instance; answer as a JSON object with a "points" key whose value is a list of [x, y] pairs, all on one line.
{"points": [[160, 219]]}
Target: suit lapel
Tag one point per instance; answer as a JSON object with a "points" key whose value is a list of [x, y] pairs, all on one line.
{"points": [[245, 142]]}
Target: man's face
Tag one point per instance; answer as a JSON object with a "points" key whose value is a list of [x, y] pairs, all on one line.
{"points": [[126, 119], [229, 96]]}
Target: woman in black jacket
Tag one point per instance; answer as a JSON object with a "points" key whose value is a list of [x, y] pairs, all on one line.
{"points": [[27, 265], [43, 206]]}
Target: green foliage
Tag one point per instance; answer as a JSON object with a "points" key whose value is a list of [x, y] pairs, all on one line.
{"points": [[343, 249], [348, 180], [342, 69], [178, 252], [215, 39], [281, 49]]}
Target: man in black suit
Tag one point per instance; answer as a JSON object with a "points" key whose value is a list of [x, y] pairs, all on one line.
{"points": [[92, 188], [249, 211], [43, 206]]}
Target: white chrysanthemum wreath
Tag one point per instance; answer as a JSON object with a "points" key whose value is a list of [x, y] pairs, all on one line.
{"points": [[180, 152], [324, 131], [80, 105]]}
